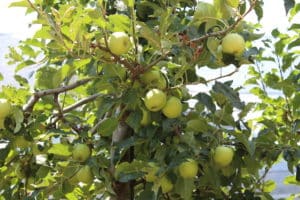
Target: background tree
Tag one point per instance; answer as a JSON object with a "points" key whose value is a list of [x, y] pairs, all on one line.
{"points": [[109, 114]]}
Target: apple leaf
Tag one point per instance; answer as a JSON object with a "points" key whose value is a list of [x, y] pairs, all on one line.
{"points": [[108, 126], [1, 77], [60, 150], [269, 186], [184, 187], [119, 22]]}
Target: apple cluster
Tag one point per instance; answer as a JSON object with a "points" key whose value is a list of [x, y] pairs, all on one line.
{"points": [[156, 99], [5, 109], [81, 153]]}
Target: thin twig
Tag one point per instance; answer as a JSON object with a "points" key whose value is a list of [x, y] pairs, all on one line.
{"points": [[79, 103], [222, 76], [229, 28], [37, 95]]}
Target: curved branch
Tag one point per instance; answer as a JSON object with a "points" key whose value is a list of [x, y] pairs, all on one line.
{"points": [[37, 95], [231, 27], [79, 103]]}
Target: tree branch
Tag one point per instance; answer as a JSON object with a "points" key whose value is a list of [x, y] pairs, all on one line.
{"points": [[79, 103], [231, 27], [37, 95]]}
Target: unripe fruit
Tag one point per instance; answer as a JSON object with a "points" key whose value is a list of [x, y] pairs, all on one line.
{"points": [[85, 175], [166, 184], [155, 100], [5, 108], [173, 108], [234, 44], [119, 43], [81, 152], [223, 155], [154, 79], [188, 169]]}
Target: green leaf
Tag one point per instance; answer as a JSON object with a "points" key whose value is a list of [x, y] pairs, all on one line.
{"points": [[1, 77], [24, 64], [291, 180], [134, 119], [184, 187], [108, 126], [126, 171], [147, 33], [60, 150], [295, 43], [296, 101], [206, 100], [258, 10], [269, 186], [119, 22], [23, 3], [129, 3], [232, 95], [18, 116], [288, 4]]}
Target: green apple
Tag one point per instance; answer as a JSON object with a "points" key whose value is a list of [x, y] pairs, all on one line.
{"points": [[188, 169], [173, 107], [223, 155], [154, 79], [151, 175], [155, 100], [81, 152], [234, 44], [2, 123], [85, 174], [165, 184], [5, 108], [146, 117], [119, 43]]}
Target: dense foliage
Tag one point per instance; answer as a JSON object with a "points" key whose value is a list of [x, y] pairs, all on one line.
{"points": [[109, 114]]}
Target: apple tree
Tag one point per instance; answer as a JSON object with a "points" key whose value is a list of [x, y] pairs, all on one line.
{"points": [[107, 112]]}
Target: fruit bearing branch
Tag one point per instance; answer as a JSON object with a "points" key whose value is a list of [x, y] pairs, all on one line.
{"points": [[37, 95], [231, 27]]}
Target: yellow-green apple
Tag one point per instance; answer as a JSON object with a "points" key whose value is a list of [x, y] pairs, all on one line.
{"points": [[154, 79], [223, 155], [155, 100], [234, 44], [119, 43], [81, 152], [85, 174], [173, 107], [166, 184], [5, 108], [146, 117], [188, 169]]}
